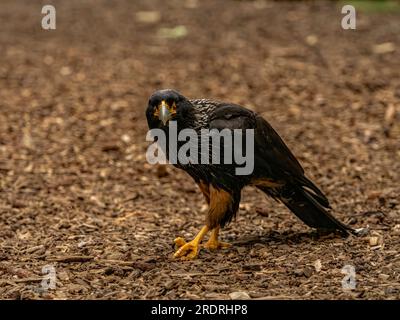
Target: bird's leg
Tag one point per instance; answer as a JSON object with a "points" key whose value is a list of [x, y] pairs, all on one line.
{"points": [[213, 243], [220, 201], [190, 250]]}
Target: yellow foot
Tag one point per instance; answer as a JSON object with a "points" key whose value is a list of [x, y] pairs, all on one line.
{"points": [[187, 250], [180, 242], [215, 244]]}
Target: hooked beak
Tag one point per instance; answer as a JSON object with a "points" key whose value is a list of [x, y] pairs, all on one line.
{"points": [[164, 114]]}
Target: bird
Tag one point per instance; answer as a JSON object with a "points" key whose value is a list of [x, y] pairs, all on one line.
{"points": [[276, 171]]}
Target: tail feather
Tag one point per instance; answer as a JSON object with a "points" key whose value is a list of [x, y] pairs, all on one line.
{"points": [[316, 193], [308, 207]]}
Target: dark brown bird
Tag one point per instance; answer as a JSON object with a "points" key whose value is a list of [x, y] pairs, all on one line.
{"points": [[276, 170]]}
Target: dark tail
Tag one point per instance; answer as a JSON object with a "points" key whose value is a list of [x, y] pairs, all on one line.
{"points": [[310, 207]]}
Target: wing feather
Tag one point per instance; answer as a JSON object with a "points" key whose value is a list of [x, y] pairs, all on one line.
{"points": [[271, 153]]}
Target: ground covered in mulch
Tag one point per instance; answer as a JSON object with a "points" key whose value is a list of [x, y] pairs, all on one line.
{"points": [[77, 194]]}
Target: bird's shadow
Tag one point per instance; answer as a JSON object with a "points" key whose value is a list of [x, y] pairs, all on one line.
{"points": [[286, 237]]}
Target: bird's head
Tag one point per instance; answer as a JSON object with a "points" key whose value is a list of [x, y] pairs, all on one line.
{"points": [[166, 105]]}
